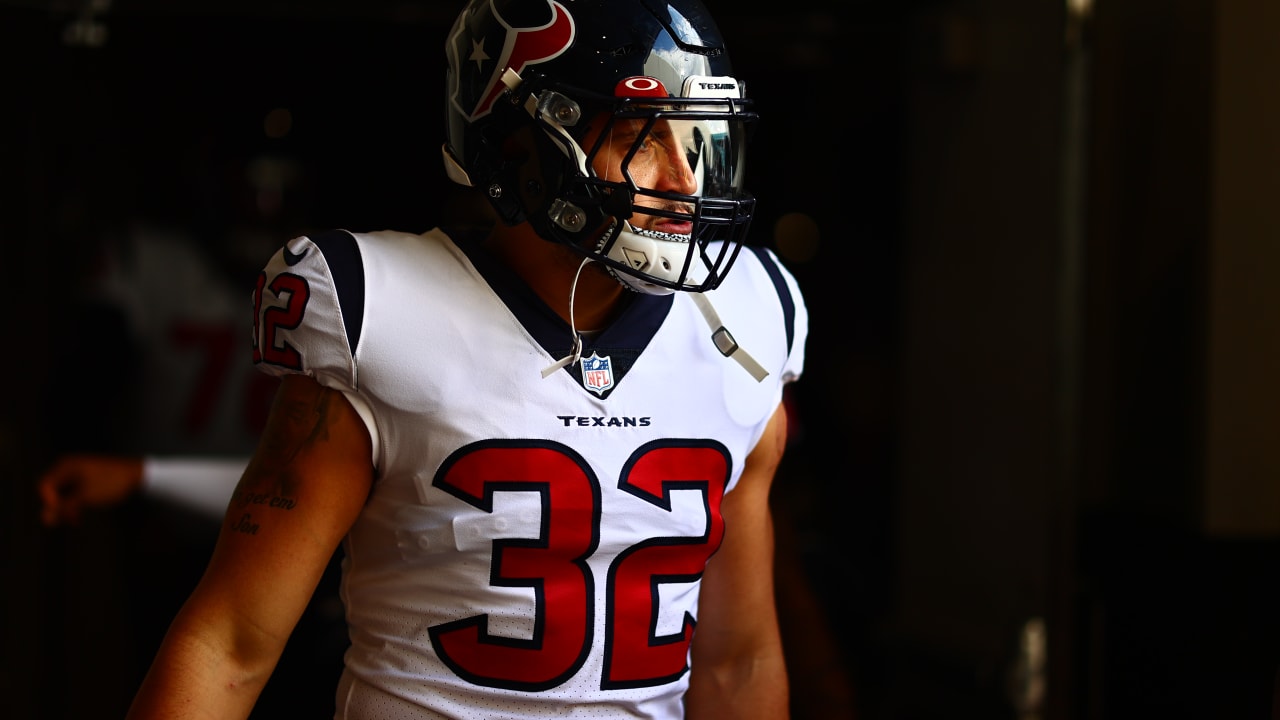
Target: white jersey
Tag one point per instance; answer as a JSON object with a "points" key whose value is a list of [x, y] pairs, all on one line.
{"points": [[196, 393], [532, 546]]}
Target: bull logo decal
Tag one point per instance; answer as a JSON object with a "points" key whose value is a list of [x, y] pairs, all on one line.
{"points": [[481, 59]]}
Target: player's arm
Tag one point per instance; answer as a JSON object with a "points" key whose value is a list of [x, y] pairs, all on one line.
{"points": [[77, 482], [738, 669], [302, 490]]}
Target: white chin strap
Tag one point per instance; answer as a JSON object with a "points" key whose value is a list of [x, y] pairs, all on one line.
{"points": [[724, 341], [665, 259]]}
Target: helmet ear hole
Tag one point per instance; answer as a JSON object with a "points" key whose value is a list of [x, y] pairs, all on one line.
{"points": [[507, 190], [521, 159], [505, 204], [537, 169]]}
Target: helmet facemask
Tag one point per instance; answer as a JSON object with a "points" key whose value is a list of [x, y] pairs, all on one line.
{"points": [[643, 184]]}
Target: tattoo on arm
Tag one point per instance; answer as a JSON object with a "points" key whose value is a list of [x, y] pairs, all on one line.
{"points": [[245, 525], [270, 481]]}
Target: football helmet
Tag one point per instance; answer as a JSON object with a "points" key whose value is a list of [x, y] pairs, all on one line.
{"points": [[614, 127]]}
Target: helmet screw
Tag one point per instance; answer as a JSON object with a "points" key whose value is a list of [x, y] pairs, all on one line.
{"points": [[567, 114], [572, 221], [495, 191], [559, 109], [567, 215]]}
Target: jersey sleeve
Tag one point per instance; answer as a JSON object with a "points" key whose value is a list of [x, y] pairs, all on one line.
{"points": [[308, 314], [308, 310]]}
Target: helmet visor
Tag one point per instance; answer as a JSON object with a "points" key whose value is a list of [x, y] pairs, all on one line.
{"points": [[671, 151]]}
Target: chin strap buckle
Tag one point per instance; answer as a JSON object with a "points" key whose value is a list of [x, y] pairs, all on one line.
{"points": [[724, 341]]}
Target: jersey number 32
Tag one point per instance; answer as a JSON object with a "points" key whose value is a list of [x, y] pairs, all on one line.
{"points": [[555, 564]]}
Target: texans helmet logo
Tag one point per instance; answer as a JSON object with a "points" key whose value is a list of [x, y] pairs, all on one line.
{"points": [[524, 43]]}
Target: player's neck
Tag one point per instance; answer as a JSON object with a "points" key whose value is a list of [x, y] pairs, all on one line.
{"points": [[549, 270]]}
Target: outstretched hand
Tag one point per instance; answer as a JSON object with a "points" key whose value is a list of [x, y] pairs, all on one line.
{"points": [[77, 482]]}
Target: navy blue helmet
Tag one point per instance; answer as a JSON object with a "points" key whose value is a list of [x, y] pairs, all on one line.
{"points": [[554, 107]]}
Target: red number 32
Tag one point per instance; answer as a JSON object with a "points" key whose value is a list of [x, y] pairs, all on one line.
{"points": [[555, 564]]}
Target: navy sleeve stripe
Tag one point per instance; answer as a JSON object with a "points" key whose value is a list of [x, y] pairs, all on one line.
{"points": [[784, 293], [342, 254]]}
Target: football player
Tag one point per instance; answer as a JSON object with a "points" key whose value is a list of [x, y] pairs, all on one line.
{"points": [[546, 449]]}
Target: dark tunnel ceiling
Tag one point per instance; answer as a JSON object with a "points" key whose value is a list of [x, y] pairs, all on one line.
{"points": [[402, 10], [411, 11]]}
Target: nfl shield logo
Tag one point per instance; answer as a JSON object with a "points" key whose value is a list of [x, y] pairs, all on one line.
{"points": [[597, 373]]}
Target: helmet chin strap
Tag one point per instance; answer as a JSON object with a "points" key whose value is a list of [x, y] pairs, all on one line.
{"points": [[724, 341], [657, 256]]}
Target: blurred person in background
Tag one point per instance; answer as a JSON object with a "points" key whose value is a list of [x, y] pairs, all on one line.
{"points": [[174, 403]]}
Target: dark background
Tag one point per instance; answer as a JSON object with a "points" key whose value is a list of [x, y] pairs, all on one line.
{"points": [[1038, 249]]}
